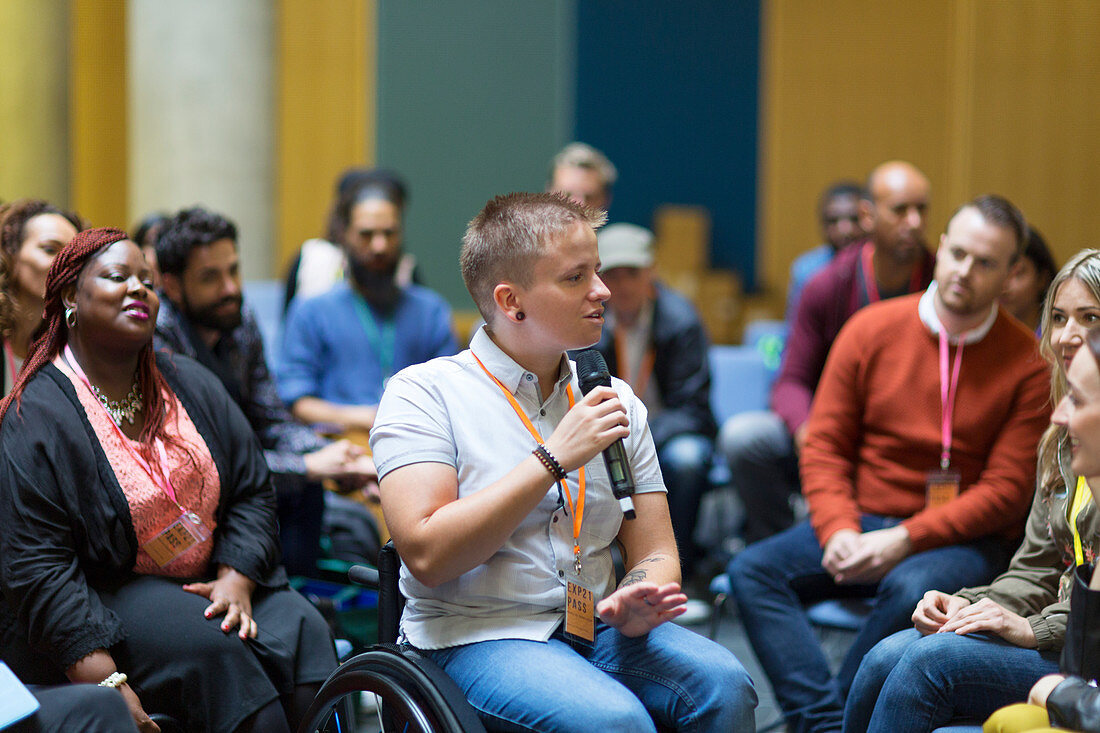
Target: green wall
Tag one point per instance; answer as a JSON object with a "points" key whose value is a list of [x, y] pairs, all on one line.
{"points": [[473, 101]]}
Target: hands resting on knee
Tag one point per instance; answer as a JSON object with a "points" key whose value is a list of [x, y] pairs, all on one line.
{"points": [[940, 613]]}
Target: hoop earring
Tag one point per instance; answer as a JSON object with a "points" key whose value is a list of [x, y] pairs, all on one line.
{"points": [[70, 317], [520, 315]]}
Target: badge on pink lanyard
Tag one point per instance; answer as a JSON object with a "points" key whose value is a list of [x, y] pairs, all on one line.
{"points": [[188, 529]]}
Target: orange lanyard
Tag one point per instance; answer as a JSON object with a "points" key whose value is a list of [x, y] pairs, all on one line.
{"points": [[579, 512], [638, 382]]}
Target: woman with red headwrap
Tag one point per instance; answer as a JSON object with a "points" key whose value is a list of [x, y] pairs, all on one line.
{"points": [[137, 533]]}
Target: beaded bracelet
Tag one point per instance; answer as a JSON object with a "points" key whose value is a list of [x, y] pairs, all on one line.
{"points": [[115, 679], [551, 463]]}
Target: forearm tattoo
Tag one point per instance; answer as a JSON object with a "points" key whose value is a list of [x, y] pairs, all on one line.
{"points": [[639, 574]]}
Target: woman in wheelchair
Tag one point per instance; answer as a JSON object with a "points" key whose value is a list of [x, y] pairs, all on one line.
{"points": [[499, 503], [137, 519]]}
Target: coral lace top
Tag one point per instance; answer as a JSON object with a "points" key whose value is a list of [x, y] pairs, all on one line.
{"points": [[191, 470]]}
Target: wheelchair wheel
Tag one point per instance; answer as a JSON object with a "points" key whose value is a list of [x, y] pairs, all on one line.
{"points": [[416, 695]]}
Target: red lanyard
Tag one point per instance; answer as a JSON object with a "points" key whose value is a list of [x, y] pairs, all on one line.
{"points": [[640, 381], [947, 393], [158, 474], [579, 512], [871, 284]]}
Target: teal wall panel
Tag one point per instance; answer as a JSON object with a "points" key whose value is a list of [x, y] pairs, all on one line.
{"points": [[473, 101]]}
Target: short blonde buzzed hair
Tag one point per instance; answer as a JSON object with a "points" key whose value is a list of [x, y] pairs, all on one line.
{"points": [[581, 155], [503, 242]]}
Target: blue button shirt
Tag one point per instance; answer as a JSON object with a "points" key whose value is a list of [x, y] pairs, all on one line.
{"points": [[328, 354]]}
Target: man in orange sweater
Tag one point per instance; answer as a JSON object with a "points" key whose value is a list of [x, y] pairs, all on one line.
{"points": [[918, 465]]}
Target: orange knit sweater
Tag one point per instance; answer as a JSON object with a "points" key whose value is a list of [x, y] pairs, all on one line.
{"points": [[875, 429]]}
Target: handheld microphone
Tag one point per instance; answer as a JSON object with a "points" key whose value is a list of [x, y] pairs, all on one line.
{"points": [[592, 372]]}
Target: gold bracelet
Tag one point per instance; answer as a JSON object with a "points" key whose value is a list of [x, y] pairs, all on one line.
{"points": [[115, 679]]}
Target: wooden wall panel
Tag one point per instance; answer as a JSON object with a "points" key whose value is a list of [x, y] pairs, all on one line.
{"points": [[983, 95], [326, 118], [98, 112], [1034, 123], [34, 70]]}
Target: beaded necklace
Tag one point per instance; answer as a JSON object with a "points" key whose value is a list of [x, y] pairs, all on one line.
{"points": [[128, 408]]}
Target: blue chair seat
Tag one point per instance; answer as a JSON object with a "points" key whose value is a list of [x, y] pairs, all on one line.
{"points": [[846, 614]]}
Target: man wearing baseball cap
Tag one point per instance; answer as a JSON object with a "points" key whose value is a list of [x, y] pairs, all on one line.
{"points": [[654, 340]]}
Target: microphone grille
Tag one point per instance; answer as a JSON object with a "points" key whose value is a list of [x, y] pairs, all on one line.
{"points": [[592, 370]]}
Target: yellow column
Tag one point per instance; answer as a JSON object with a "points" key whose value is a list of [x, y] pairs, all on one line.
{"points": [[33, 100], [326, 71], [98, 111]]}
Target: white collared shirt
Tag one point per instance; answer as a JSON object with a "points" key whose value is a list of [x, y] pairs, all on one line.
{"points": [[926, 309], [448, 411]]}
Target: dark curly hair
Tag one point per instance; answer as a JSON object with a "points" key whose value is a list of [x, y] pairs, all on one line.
{"points": [[64, 273], [13, 230], [182, 232]]}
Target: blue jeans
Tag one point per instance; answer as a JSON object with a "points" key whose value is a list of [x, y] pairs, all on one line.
{"points": [[760, 453], [773, 578], [910, 682], [671, 676], [685, 466]]}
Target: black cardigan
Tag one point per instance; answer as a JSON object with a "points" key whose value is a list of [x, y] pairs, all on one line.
{"points": [[65, 527]]}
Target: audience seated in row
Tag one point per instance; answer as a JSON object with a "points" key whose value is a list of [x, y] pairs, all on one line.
{"points": [[584, 175], [321, 262], [1029, 281], [203, 316], [894, 530], [654, 340], [137, 520], [917, 474], [32, 232], [1070, 699], [838, 215], [341, 346], [983, 647], [501, 507], [762, 448]]}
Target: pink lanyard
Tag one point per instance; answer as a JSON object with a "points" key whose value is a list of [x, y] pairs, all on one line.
{"points": [[158, 474], [10, 356], [947, 394]]}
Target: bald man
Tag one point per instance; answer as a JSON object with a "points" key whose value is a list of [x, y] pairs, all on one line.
{"points": [[762, 448]]}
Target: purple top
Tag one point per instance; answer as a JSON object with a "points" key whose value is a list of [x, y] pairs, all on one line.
{"points": [[827, 302]]}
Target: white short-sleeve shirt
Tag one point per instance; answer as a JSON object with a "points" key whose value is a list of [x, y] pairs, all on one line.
{"points": [[448, 411]]}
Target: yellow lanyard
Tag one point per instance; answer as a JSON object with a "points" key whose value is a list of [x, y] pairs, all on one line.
{"points": [[1081, 498], [579, 512]]}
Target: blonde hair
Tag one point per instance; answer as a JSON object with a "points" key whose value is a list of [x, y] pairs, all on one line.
{"points": [[581, 155], [1085, 268], [503, 242]]}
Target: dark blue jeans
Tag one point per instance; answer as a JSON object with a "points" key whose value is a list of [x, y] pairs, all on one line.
{"points": [[772, 579], [910, 682]]}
